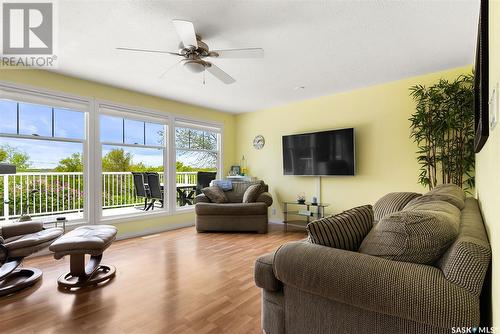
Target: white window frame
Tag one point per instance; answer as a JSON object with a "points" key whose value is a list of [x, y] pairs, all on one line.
{"points": [[22, 94], [199, 125], [92, 145], [137, 114]]}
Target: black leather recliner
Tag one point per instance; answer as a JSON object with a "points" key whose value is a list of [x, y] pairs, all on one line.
{"points": [[18, 240]]}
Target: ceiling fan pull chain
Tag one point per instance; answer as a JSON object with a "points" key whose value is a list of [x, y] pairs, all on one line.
{"points": [[204, 71]]}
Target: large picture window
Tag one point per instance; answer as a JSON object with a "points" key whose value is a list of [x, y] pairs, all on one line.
{"points": [[46, 143], [92, 161], [133, 165]]}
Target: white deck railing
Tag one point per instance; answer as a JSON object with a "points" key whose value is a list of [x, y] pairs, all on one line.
{"points": [[64, 192]]}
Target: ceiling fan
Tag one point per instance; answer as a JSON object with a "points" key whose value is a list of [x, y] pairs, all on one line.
{"points": [[194, 53]]}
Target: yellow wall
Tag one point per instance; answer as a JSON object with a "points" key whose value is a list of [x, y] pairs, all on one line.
{"points": [[385, 155], [60, 83], [488, 166]]}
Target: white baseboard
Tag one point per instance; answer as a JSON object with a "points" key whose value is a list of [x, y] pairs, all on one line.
{"points": [[154, 230], [275, 221]]}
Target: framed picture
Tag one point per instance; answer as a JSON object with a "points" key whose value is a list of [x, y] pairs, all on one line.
{"points": [[235, 170]]}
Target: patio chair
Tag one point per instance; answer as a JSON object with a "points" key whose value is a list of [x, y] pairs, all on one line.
{"points": [[141, 189], [155, 189], [203, 180]]}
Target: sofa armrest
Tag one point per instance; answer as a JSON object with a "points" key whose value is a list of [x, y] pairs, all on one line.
{"points": [[411, 291], [14, 229], [264, 275], [266, 198], [201, 198]]}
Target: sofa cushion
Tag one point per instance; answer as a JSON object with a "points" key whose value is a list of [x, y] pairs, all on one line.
{"points": [[9, 230], [392, 202], [450, 193], [231, 209], [215, 194], [33, 239], [251, 194], [345, 230], [417, 236]]}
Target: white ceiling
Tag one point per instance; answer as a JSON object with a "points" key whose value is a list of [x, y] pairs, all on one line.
{"points": [[325, 46]]}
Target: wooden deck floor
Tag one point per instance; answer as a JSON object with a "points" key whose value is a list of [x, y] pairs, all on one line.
{"points": [[173, 282]]}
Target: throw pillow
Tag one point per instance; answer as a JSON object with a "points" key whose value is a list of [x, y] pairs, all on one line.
{"points": [[417, 236], [450, 193], [392, 202], [435, 205], [251, 194], [225, 185], [215, 194], [345, 230]]}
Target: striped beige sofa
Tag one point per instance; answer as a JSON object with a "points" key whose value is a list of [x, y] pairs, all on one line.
{"points": [[309, 288]]}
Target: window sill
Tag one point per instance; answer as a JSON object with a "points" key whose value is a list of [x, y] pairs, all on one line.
{"points": [[184, 209], [143, 216], [70, 225]]}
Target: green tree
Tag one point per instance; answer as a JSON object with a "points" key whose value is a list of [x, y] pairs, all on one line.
{"points": [[117, 160], [3, 155], [180, 167], [12, 155], [73, 163], [206, 142]]}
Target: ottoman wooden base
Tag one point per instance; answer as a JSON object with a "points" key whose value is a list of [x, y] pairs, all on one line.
{"points": [[91, 274]]}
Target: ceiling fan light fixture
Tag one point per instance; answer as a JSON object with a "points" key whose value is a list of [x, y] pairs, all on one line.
{"points": [[195, 66]]}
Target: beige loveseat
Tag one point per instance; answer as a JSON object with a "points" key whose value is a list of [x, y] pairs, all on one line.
{"points": [[309, 288], [234, 216]]}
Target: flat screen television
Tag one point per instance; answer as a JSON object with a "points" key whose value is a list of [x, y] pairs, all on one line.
{"points": [[481, 82], [319, 153]]}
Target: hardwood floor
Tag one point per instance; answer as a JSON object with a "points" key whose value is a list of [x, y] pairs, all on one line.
{"points": [[174, 282]]}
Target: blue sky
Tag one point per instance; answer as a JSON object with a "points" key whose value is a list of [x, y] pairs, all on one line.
{"points": [[37, 119]]}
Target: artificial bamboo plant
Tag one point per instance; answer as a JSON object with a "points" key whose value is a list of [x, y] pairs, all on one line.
{"points": [[443, 128]]}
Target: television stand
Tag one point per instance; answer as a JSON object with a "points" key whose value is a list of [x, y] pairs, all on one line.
{"points": [[305, 210]]}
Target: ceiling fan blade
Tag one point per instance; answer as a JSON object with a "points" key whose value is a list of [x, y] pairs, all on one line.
{"points": [[186, 32], [147, 50], [169, 69], [240, 53], [220, 74]]}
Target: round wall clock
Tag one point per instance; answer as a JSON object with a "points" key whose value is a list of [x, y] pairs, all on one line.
{"points": [[258, 142]]}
